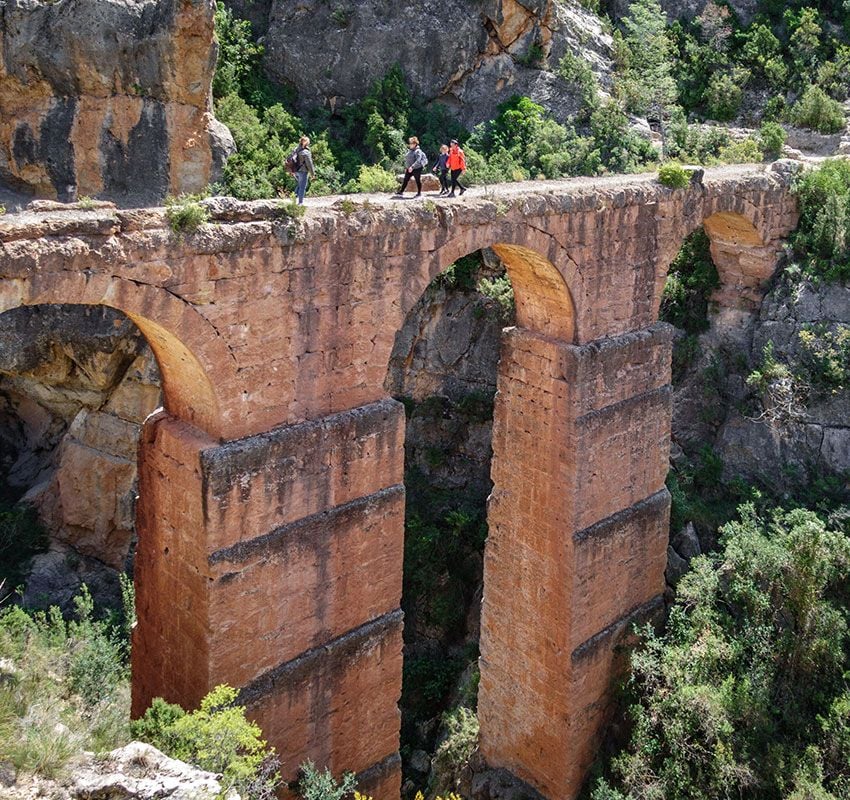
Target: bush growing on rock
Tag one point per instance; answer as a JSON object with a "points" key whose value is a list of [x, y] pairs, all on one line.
{"points": [[320, 785], [216, 737], [772, 138], [822, 239], [185, 214], [673, 175]]}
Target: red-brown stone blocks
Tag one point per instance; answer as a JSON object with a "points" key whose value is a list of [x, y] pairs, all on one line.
{"points": [[271, 510], [336, 704], [171, 654], [305, 583]]}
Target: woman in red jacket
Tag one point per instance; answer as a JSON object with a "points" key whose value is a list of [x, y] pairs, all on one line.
{"points": [[457, 165]]}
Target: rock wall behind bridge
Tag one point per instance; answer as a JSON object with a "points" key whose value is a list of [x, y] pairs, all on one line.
{"points": [[108, 98]]}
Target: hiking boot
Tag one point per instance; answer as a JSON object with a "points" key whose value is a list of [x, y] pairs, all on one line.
{"points": [[418, 194], [462, 189], [450, 194]]}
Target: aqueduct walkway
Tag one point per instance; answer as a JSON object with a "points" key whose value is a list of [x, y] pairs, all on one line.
{"points": [[271, 504]]}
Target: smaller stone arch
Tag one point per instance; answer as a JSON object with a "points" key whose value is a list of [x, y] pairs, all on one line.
{"points": [[194, 362], [544, 302], [744, 258]]}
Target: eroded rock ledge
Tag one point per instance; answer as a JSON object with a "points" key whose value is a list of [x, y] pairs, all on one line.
{"points": [[108, 98]]}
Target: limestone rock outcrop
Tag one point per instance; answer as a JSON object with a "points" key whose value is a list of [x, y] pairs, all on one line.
{"points": [[76, 383], [782, 451], [469, 56], [108, 98], [136, 771]]}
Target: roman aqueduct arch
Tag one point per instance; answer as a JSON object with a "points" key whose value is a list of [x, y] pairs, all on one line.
{"points": [[271, 504]]}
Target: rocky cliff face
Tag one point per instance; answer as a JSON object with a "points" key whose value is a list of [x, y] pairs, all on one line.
{"points": [[108, 98], [75, 385], [469, 54], [794, 433]]}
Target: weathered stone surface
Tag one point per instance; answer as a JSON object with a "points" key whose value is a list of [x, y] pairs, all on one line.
{"points": [[470, 57], [136, 771], [75, 385], [122, 112]]}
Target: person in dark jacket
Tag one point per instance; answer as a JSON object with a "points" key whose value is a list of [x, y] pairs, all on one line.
{"points": [[457, 166], [304, 171], [415, 161], [441, 168]]}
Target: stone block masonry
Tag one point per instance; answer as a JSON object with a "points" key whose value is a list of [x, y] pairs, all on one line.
{"points": [[271, 512]]}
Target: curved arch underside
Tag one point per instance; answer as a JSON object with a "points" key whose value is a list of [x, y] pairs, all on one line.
{"points": [[544, 303]]}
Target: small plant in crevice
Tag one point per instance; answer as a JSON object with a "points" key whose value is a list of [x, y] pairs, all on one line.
{"points": [[185, 214], [674, 176]]}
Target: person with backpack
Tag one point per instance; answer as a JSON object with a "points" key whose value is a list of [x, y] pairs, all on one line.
{"points": [[415, 161], [441, 168], [300, 164], [457, 166]]}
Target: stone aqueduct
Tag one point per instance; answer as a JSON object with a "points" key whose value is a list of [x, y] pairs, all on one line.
{"points": [[271, 506]]}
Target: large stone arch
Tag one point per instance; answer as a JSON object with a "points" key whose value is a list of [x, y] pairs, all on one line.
{"points": [[194, 362], [170, 642]]}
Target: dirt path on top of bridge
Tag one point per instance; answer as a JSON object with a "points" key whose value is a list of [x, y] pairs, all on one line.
{"points": [[517, 189]]}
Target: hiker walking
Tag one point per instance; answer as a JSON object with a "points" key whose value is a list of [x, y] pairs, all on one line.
{"points": [[415, 161], [457, 165], [441, 168], [303, 163]]}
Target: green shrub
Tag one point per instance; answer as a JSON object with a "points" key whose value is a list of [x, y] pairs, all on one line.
{"points": [[822, 239], [772, 138], [501, 290], [67, 689], [816, 110], [674, 175], [644, 53], [620, 148], [746, 693], [315, 785], [185, 214], [372, 180], [576, 71], [217, 738], [453, 753], [743, 151], [724, 95]]}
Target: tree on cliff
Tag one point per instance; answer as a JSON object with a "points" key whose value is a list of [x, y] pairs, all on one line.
{"points": [[645, 56]]}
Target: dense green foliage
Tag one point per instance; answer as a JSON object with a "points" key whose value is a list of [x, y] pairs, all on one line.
{"points": [[216, 737], [64, 685], [318, 784], [822, 239], [691, 279], [673, 175], [746, 694], [795, 53]]}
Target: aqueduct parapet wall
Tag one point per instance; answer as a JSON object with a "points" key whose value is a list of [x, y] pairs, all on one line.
{"points": [[271, 486]]}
